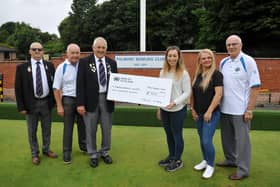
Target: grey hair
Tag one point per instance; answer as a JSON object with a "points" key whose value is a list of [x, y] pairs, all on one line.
{"points": [[99, 38], [72, 45], [235, 37]]}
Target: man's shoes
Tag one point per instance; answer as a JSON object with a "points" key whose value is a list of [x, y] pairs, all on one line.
{"points": [[164, 162], [67, 159], [36, 160], [225, 164], [209, 171], [202, 165], [107, 159], [51, 154], [235, 176], [174, 165], [93, 162], [84, 151]]}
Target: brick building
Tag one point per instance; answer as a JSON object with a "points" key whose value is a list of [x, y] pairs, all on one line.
{"points": [[269, 69], [7, 53]]}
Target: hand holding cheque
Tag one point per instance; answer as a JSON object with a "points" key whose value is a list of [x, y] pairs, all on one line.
{"points": [[139, 89]]}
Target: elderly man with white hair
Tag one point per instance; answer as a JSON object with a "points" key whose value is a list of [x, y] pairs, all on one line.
{"points": [[241, 85], [92, 86], [64, 88]]}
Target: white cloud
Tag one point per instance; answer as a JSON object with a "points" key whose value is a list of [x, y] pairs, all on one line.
{"points": [[43, 14]]}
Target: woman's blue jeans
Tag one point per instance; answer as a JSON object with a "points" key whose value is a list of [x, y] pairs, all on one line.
{"points": [[206, 132], [173, 125]]}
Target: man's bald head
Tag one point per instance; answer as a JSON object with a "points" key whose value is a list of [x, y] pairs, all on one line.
{"points": [[233, 45], [73, 53]]}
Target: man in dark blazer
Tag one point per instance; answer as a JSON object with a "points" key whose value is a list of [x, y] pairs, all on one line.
{"points": [[92, 85], [34, 96]]}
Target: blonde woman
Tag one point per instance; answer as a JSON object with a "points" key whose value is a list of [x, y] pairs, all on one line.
{"points": [[173, 115], [207, 89]]}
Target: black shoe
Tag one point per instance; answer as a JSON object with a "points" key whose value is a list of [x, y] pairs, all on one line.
{"points": [[93, 162], [67, 159], [174, 165], [107, 159], [164, 162], [83, 149]]}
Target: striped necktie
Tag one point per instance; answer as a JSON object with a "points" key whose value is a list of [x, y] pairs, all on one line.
{"points": [[102, 76], [39, 84]]}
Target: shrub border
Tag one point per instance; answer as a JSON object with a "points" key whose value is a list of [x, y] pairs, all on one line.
{"points": [[146, 116]]}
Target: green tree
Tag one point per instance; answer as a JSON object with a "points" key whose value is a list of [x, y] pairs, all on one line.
{"points": [[114, 20], [54, 47], [21, 35], [257, 22], [72, 29], [117, 22], [171, 23]]}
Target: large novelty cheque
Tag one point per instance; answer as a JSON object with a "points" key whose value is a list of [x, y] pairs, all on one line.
{"points": [[139, 89]]}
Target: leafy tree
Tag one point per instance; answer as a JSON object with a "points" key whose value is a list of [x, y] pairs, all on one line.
{"points": [[189, 24], [21, 35], [171, 23], [117, 22], [72, 28], [10, 27], [3, 35], [114, 20], [257, 22], [54, 47]]}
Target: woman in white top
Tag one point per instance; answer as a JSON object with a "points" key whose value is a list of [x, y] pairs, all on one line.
{"points": [[173, 114]]}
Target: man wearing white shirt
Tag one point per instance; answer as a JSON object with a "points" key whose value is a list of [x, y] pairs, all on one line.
{"points": [[64, 87], [92, 86], [35, 100], [241, 85]]}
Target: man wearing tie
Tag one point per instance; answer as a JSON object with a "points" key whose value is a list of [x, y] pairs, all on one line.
{"points": [[92, 83], [35, 99]]}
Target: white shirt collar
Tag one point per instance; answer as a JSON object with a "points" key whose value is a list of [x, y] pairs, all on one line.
{"points": [[237, 58], [96, 59], [33, 61], [69, 63]]}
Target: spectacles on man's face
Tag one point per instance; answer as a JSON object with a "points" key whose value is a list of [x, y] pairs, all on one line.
{"points": [[232, 44], [37, 49]]}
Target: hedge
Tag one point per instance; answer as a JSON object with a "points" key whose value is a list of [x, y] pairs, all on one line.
{"points": [[146, 116]]}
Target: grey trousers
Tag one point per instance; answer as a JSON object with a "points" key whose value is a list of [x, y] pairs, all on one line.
{"points": [[91, 120], [236, 142], [41, 112], [70, 115]]}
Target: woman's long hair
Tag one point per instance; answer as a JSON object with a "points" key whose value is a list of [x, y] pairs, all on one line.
{"points": [[180, 66], [207, 75]]}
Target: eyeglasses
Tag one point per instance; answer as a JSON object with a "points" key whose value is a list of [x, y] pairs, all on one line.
{"points": [[36, 49], [232, 44]]}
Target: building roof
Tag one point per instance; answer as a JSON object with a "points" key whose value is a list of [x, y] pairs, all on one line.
{"points": [[7, 49]]}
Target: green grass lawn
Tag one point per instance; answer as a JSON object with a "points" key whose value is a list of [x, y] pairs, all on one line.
{"points": [[135, 151]]}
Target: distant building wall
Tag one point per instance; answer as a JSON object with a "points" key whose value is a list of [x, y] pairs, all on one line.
{"points": [[269, 69], [7, 55], [2, 56]]}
